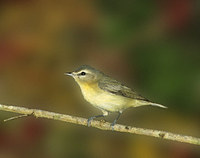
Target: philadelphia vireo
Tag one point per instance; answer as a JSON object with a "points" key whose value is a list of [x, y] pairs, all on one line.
{"points": [[106, 93]]}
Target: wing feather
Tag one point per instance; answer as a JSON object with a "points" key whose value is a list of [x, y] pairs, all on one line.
{"points": [[117, 88]]}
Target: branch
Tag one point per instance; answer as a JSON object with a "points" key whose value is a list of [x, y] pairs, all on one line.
{"points": [[99, 124]]}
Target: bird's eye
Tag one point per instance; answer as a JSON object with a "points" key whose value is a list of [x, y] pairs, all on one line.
{"points": [[83, 73]]}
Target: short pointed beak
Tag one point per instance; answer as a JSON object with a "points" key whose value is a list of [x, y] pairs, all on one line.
{"points": [[68, 73]]}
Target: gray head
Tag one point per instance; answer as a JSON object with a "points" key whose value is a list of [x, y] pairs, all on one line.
{"points": [[85, 74]]}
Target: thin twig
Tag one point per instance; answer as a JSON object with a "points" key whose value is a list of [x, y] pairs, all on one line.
{"points": [[15, 117], [101, 125]]}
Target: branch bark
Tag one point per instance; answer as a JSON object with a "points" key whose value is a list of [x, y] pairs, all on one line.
{"points": [[99, 124]]}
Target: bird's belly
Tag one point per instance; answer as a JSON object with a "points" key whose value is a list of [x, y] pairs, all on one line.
{"points": [[105, 100]]}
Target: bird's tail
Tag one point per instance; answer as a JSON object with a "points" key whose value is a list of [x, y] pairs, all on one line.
{"points": [[142, 102], [155, 104]]}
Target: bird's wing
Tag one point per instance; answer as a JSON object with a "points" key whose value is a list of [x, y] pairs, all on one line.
{"points": [[115, 87]]}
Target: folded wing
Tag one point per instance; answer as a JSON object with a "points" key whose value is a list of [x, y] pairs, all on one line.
{"points": [[117, 88]]}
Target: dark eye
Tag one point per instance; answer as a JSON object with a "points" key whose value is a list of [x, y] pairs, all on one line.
{"points": [[83, 73]]}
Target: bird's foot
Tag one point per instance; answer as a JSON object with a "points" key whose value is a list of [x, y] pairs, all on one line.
{"points": [[89, 121], [93, 117], [112, 125]]}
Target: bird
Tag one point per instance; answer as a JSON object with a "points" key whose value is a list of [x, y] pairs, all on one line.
{"points": [[106, 93]]}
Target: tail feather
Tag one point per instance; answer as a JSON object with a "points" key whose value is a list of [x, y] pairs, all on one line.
{"points": [[159, 105], [137, 103]]}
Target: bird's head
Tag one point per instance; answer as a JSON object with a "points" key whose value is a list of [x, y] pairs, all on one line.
{"points": [[85, 75]]}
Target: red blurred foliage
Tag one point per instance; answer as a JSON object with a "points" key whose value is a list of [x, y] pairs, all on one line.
{"points": [[10, 51], [177, 13], [32, 131], [182, 151], [25, 138]]}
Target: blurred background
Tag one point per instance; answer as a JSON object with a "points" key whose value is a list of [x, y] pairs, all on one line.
{"points": [[151, 45]]}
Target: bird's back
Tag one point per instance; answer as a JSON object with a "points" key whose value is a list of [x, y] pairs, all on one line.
{"points": [[117, 88]]}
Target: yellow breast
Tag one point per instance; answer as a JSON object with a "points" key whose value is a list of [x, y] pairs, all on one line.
{"points": [[90, 92], [103, 99]]}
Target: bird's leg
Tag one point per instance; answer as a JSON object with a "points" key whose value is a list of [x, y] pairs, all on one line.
{"points": [[114, 122], [105, 113], [93, 117]]}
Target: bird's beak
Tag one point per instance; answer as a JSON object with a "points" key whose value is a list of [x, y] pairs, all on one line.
{"points": [[69, 73]]}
